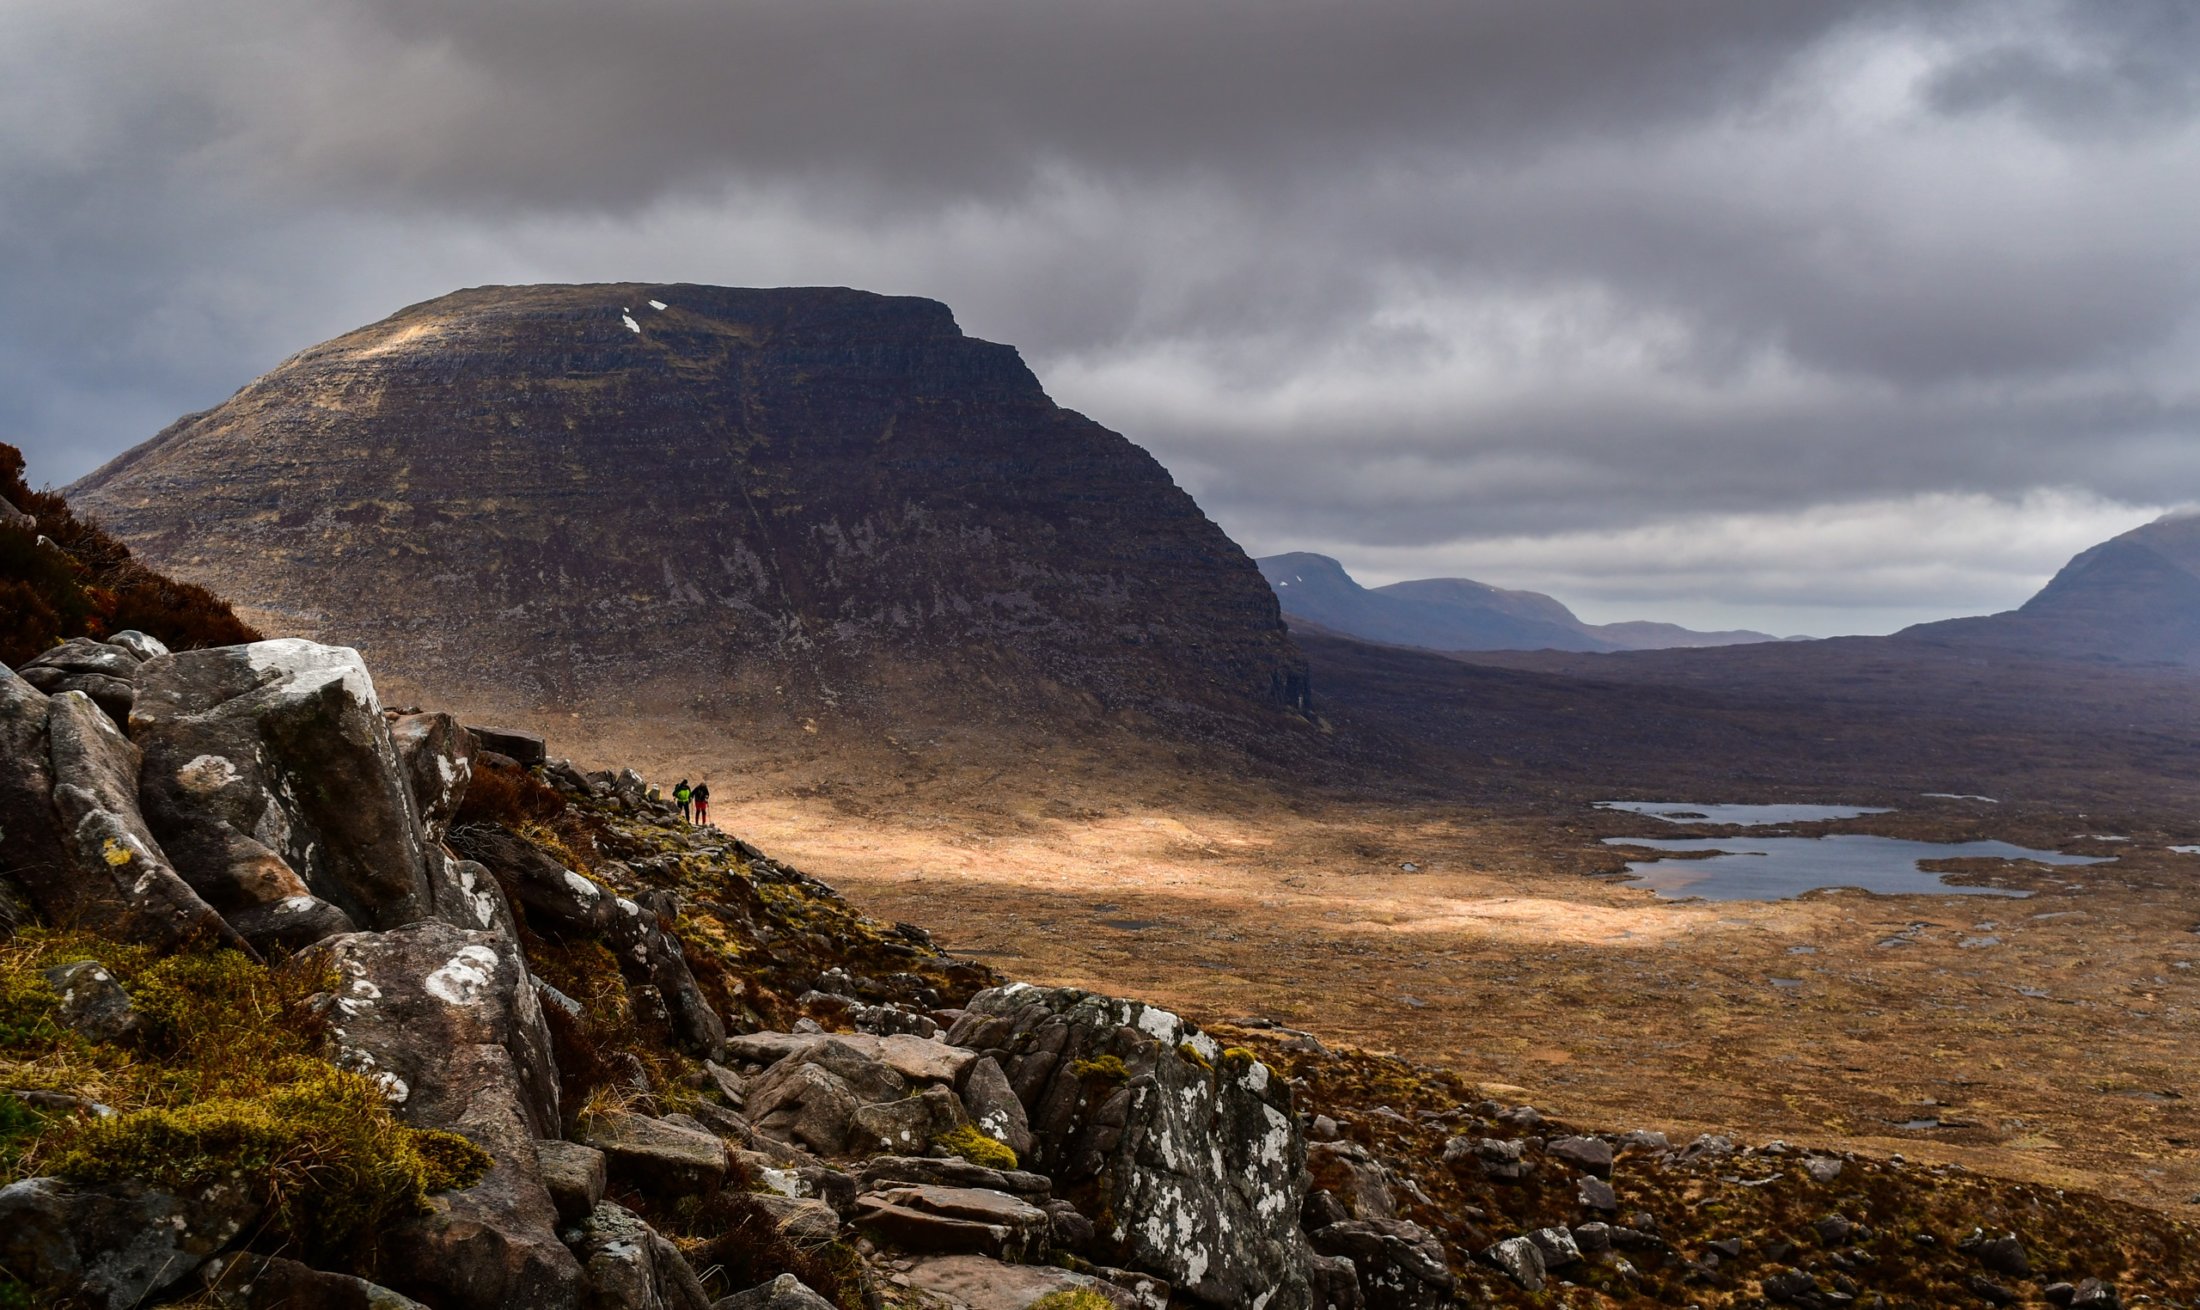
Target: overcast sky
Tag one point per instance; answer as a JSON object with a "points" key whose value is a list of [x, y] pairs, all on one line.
{"points": [[1806, 317]]}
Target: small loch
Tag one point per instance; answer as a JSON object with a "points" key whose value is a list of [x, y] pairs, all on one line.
{"points": [[1778, 866], [1774, 868], [1740, 816]]}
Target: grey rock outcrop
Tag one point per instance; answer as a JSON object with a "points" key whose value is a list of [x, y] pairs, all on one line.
{"points": [[1399, 1265], [1199, 1164], [446, 1020], [113, 872], [255, 1282], [438, 759], [270, 771], [118, 1245], [627, 1265]]}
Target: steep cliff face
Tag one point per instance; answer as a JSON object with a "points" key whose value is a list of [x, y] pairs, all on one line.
{"points": [[697, 499]]}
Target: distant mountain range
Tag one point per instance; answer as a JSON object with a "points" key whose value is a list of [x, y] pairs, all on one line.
{"points": [[1460, 614]]}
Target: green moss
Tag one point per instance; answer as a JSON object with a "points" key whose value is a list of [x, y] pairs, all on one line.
{"points": [[1239, 1056], [1191, 1055], [1106, 1067], [974, 1146], [1073, 1298], [323, 1150]]}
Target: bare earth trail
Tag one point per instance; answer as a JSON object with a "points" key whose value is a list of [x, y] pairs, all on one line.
{"points": [[2061, 1053]]}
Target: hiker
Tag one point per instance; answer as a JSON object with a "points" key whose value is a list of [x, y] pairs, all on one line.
{"points": [[702, 803], [681, 795]]}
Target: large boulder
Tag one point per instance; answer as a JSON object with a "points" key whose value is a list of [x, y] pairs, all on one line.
{"points": [[447, 1021], [114, 877], [104, 671], [656, 1157], [246, 1281], [650, 955], [1399, 1265], [31, 852], [438, 758], [114, 1246], [627, 1265], [270, 773], [1193, 1157]]}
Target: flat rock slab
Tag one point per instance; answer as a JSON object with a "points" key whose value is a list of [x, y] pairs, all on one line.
{"points": [[655, 1154], [967, 1220], [918, 1059], [883, 1172], [977, 1283]]}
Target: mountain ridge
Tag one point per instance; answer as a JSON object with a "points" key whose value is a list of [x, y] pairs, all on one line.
{"points": [[1461, 614]]}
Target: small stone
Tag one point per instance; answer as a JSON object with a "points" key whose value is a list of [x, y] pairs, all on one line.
{"points": [[92, 1002], [1518, 1259], [1833, 1230], [1822, 1169], [1323, 1129], [1596, 1194], [1591, 1155]]}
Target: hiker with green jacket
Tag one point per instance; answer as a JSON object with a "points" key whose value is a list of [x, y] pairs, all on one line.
{"points": [[681, 796]]}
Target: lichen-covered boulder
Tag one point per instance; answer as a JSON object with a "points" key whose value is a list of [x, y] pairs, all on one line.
{"points": [[651, 955], [114, 877], [1189, 1157], [31, 853], [627, 1265], [1399, 1265], [270, 773], [447, 1021], [114, 1246], [104, 671], [438, 758], [993, 1107], [247, 1281]]}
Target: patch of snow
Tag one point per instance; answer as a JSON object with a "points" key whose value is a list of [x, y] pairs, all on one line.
{"points": [[1958, 796], [659, 305], [631, 325], [2186, 850]]}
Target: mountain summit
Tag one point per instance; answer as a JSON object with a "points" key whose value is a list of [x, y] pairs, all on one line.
{"points": [[708, 502]]}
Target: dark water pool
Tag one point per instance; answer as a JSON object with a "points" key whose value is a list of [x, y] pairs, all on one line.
{"points": [[1777, 868]]}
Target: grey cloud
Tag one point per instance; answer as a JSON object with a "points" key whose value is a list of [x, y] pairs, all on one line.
{"points": [[1396, 277]]}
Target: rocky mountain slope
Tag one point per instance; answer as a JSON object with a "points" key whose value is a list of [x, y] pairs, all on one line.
{"points": [[2133, 599], [767, 506], [1460, 614]]}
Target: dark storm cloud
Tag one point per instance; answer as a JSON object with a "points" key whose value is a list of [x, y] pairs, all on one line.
{"points": [[1424, 284]]}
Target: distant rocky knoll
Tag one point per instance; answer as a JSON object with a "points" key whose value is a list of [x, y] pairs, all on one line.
{"points": [[1460, 614], [756, 504], [2133, 599]]}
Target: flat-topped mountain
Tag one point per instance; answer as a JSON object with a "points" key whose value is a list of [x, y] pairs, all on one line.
{"points": [[694, 500], [1459, 613]]}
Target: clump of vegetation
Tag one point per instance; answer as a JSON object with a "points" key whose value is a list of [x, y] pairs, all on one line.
{"points": [[508, 796], [222, 1079], [733, 1243], [1191, 1056], [975, 1146], [1102, 1068], [321, 1147], [87, 584], [1073, 1298]]}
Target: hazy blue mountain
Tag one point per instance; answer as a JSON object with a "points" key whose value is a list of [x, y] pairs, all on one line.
{"points": [[1459, 613]]}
